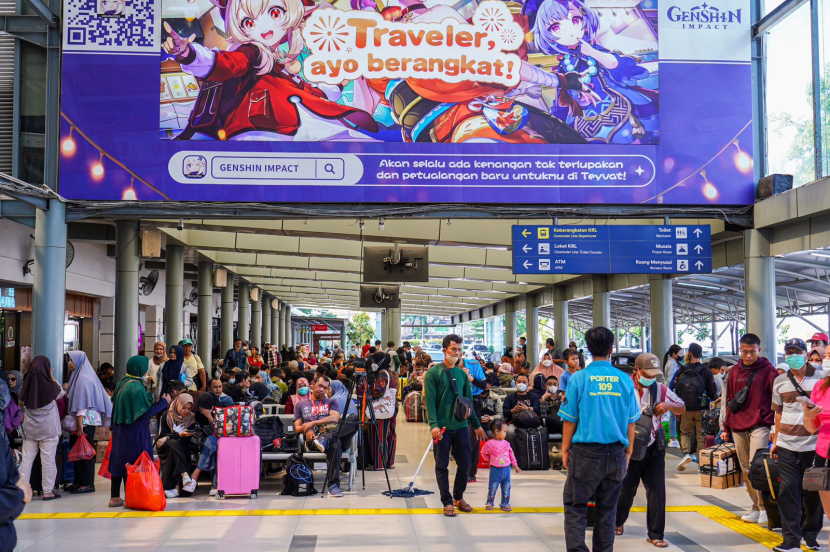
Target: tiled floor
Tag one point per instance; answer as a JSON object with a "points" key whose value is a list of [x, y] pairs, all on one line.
{"points": [[687, 531]]}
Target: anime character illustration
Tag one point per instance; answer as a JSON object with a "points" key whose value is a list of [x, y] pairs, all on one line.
{"points": [[111, 8], [194, 166], [624, 109], [252, 90]]}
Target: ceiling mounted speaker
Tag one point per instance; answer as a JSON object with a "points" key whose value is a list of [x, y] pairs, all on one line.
{"points": [[275, 303], [220, 277], [151, 244], [255, 292]]}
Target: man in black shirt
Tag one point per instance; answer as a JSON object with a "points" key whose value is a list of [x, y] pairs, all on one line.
{"points": [[239, 390], [520, 400]]}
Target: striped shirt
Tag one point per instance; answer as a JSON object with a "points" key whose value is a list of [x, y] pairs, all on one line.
{"points": [[792, 434]]}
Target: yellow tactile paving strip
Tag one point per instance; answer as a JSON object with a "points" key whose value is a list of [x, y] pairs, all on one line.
{"points": [[729, 520]]}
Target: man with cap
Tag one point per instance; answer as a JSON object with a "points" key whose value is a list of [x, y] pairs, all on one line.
{"points": [[819, 339], [195, 368], [801, 511], [651, 470]]}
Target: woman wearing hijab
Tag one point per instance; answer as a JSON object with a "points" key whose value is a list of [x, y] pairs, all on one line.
{"points": [[16, 383], [5, 399], [132, 410], [153, 371], [41, 423], [545, 369], [206, 403], [91, 407], [175, 446], [172, 369], [301, 394]]}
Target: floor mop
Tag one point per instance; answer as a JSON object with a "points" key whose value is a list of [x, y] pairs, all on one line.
{"points": [[410, 491]]}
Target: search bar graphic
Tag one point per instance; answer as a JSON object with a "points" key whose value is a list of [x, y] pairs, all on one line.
{"points": [[249, 168]]}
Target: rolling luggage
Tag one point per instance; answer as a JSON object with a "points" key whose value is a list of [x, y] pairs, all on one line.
{"points": [[414, 407], [237, 466], [531, 448]]}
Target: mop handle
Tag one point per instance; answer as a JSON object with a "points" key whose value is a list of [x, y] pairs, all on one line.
{"points": [[429, 448]]}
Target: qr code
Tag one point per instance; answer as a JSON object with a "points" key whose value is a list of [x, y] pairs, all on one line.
{"points": [[87, 28]]}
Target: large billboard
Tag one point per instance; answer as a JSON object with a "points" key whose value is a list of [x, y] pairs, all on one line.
{"points": [[479, 101]]}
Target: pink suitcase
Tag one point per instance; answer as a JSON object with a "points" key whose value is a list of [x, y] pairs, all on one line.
{"points": [[237, 466]]}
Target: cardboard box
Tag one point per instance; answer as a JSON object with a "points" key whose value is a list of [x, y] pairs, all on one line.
{"points": [[103, 433], [100, 449], [715, 454], [721, 467], [720, 481]]}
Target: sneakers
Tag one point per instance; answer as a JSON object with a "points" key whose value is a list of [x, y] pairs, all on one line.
{"points": [[188, 485], [780, 548], [172, 493], [752, 517], [488, 506], [320, 443], [674, 443], [811, 545], [334, 491], [505, 508], [685, 462], [762, 518], [212, 491], [471, 480]]}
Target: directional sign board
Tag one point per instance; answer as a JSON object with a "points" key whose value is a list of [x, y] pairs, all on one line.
{"points": [[631, 249]]}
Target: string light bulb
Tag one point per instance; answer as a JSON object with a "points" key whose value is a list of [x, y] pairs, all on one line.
{"points": [[68, 145], [129, 193], [742, 159], [709, 189], [98, 168]]}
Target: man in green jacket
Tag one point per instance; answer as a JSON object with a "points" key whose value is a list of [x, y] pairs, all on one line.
{"points": [[440, 399]]}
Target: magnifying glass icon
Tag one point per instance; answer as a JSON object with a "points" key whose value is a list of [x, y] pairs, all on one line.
{"points": [[329, 168]]}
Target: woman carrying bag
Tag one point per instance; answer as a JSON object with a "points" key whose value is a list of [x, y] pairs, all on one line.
{"points": [[133, 408], [175, 446], [41, 423], [90, 406]]}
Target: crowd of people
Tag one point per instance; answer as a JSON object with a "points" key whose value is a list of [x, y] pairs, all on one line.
{"points": [[166, 404]]}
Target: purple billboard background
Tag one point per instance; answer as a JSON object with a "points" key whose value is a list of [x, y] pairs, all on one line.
{"points": [[704, 155]]}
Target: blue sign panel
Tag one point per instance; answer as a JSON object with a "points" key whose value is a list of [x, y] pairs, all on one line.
{"points": [[632, 249]]}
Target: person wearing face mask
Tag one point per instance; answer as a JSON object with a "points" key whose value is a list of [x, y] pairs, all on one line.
{"points": [[716, 365], [301, 394], [550, 402], [651, 470], [816, 357], [522, 399], [554, 352], [795, 447], [547, 367], [671, 363]]}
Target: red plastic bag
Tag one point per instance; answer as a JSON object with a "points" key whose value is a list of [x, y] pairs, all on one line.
{"points": [[483, 463], [144, 489], [82, 450], [104, 470]]}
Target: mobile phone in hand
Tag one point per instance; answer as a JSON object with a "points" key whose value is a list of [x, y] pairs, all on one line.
{"points": [[805, 400]]}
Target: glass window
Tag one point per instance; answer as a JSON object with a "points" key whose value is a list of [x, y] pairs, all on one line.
{"points": [[824, 63], [770, 5], [790, 142]]}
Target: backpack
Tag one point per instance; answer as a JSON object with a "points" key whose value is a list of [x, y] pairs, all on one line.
{"points": [[269, 428], [711, 421], [644, 426], [298, 480], [689, 387]]}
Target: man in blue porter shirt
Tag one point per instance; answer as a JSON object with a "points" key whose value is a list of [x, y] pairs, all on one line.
{"points": [[598, 415]]}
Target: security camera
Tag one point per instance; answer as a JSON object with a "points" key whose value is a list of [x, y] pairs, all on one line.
{"points": [[181, 225]]}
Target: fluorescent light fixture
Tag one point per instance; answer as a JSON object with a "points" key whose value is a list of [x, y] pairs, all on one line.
{"points": [[820, 253], [700, 286]]}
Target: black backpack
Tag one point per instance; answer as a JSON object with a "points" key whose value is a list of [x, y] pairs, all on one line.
{"points": [[268, 428], [689, 387], [298, 480]]}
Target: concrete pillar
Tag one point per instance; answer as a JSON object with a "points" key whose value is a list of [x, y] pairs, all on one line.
{"points": [[256, 322], [106, 340], [380, 327], [266, 319], [642, 344], [153, 327], [226, 322], [344, 338], [532, 314], [759, 286], [602, 302], [126, 295], [49, 290], [242, 325], [174, 298], [393, 325], [276, 323], [662, 315], [510, 326], [289, 337], [714, 336], [204, 319], [560, 324]]}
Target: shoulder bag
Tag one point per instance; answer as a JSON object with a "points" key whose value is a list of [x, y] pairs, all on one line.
{"points": [[738, 401], [644, 426], [817, 478], [463, 405]]}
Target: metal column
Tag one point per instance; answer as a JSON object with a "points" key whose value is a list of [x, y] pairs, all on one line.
{"points": [[560, 324], [275, 323], [126, 295], [256, 321], [289, 337], [266, 319], [393, 326], [714, 336], [242, 325], [532, 317], [49, 290], [662, 315], [510, 325], [602, 302], [205, 316], [174, 295], [226, 324], [759, 283]]}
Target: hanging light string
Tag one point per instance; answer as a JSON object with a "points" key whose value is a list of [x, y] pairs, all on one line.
{"points": [[103, 153], [731, 142]]}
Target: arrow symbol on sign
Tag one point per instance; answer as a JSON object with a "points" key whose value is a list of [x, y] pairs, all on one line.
{"points": [[525, 232], [698, 249], [526, 248], [698, 265], [697, 232], [526, 264]]}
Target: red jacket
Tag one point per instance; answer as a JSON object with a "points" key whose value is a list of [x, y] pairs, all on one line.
{"points": [[757, 410]]}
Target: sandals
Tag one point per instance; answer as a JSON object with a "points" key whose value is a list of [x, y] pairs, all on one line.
{"points": [[463, 506], [449, 510], [619, 530], [116, 502], [659, 543], [54, 496]]}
